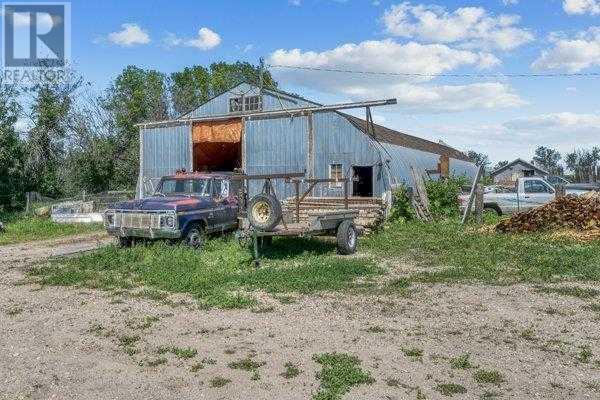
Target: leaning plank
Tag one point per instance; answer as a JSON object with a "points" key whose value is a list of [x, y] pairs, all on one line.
{"points": [[472, 195]]}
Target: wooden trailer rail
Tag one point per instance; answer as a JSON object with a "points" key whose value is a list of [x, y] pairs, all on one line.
{"points": [[297, 179]]}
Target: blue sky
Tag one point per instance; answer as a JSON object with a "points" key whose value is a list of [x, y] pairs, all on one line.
{"points": [[506, 118]]}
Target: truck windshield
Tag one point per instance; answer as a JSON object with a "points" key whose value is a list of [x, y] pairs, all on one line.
{"points": [[195, 187]]}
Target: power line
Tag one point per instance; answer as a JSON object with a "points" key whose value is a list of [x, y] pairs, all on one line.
{"points": [[447, 75]]}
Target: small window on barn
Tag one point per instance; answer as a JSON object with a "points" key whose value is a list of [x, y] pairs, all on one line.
{"points": [[335, 172], [235, 104], [252, 103]]}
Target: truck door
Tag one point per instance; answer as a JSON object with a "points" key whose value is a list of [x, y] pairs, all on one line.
{"points": [[536, 192], [225, 205]]}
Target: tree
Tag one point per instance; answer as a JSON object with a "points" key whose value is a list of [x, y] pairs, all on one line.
{"points": [[548, 159], [11, 149], [46, 141], [195, 85], [136, 96], [480, 159], [499, 165]]}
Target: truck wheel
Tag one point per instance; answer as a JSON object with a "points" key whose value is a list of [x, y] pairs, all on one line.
{"points": [[347, 238], [195, 236], [264, 212], [125, 242]]}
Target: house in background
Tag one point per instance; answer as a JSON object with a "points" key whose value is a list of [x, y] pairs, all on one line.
{"points": [[514, 170], [226, 134]]}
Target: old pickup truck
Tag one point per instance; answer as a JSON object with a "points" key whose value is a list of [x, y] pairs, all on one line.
{"points": [[185, 206], [527, 193]]}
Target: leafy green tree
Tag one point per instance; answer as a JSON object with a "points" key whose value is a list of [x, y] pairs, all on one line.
{"points": [[479, 158], [189, 88], [225, 75], [136, 96], [46, 141], [500, 164], [548, 159], [11, 149]]}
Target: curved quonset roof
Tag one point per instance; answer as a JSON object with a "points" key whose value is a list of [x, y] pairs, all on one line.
{"points": [[519, 161]]}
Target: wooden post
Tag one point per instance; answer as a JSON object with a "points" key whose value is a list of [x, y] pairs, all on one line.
{"points": [[27, 203], [346, 193], [444, 166], [297, 188], [472, 195], [479, 203]]}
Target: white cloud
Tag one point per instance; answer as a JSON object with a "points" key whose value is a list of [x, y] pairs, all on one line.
{"points": [[562, 122], [581, 7], [572, 89], [206, 40], [391, 57], [296, 3], [572, 54], [129, 35], [387, 56], [510, 2], [469, 27]]}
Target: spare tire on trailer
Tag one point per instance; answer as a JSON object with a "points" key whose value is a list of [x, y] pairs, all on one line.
{"points": [[264, 212], [347, 238]]}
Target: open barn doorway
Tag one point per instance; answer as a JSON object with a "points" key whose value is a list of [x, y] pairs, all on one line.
{"points": [[362, 181], [217, 145]]}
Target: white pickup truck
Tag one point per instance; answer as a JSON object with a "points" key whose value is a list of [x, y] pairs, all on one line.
{"points": [[527, 193]]}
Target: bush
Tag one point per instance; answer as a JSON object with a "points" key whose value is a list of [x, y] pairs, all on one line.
{"points": [[443, 197], [402, 209]]}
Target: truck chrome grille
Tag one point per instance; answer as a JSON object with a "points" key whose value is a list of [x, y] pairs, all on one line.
{"points": [[149, 220]]}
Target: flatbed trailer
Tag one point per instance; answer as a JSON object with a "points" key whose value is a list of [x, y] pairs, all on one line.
{"points": [[339, 223]]}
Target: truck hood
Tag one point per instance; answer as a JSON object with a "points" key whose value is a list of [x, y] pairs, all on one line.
{"points": [[159, 203]]}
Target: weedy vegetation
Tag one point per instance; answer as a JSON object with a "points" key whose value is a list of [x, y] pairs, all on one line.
{"points": [[219, 381], [461, 362], [291, 371], [339, 374], [179, 352], [488, 376], [450, 389]]}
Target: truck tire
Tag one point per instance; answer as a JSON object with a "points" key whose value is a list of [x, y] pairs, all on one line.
{"points": [[264, 212], [492, 208], [194, 236], [347, 238]]}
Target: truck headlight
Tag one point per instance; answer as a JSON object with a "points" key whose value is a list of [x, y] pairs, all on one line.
{"points": [[109, 218], [168, 221]]}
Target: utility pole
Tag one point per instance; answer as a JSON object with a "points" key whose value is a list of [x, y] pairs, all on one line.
{"points": [[261, 63]]}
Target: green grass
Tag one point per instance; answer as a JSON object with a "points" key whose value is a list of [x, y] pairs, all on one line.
{"points": [[339, 374], [219, 381], [488, 376], [221, 275], [450, 389], [461, 362], [291, 371], [462, 254], [413, 352], [180, 352], [20, 228]]}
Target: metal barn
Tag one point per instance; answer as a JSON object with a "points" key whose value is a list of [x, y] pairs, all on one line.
{"points": [[228, 132]]}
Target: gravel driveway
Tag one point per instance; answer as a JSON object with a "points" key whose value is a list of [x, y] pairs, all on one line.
{"points": [[64, 343]]}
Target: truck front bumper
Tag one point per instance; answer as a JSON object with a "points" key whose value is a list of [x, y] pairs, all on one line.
{"points": [[145, 233]]}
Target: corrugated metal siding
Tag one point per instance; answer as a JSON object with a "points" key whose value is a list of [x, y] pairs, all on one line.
{"points": [[463, 168], [337, 141], [220, 104], [275, 145], [164, 151]]}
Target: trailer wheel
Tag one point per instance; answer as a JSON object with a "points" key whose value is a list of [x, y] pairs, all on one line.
{"points": [[347, 238], [195, 236], [125, 242], [264, 212]]}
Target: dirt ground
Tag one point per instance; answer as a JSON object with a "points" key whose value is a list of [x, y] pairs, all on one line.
{"points": [[60, 343]]}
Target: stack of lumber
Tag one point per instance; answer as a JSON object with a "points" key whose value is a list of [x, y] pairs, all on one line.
{"points": [[370, 209], [567, 212]]}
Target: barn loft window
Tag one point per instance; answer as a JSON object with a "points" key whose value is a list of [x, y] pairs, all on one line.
{"points": [[235, 104], [245, 103], [252, 103], [335, 172]]}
